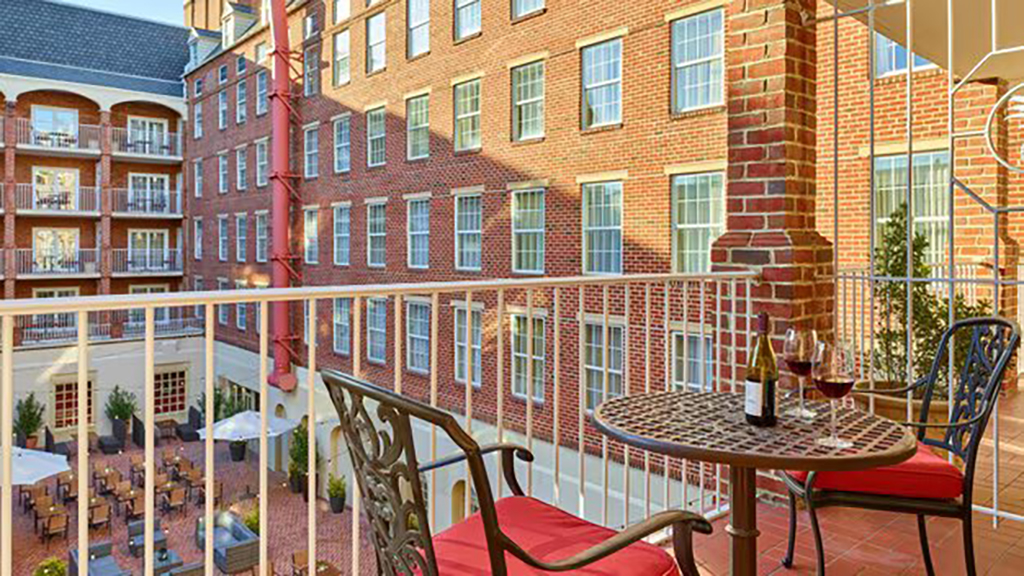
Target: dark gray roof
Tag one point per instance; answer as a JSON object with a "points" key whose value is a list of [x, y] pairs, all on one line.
{"points": [[47, 39], [241, 8]]}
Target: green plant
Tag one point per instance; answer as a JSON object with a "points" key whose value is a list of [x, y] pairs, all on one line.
{"points": [[252, 520], [51, 567], [298, 452], [224, 405], [336, 486], [121, 404], [29, 417], [930, 311]]}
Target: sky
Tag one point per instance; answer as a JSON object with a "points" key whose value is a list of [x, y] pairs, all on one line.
{"points": [[168, 11]]}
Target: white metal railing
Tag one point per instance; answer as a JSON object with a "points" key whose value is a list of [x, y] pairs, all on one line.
{"points": [[61, 262], [627, 326], [129, 261], [147, 202], [3, 133], [38, 198], [58, 327], [84, 137], [3, 196], [161, 145]]}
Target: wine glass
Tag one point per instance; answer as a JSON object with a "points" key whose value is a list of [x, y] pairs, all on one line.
{"points": [[832, 372], [798, 351]]}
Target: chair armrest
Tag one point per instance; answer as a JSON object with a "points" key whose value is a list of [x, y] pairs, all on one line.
{"points": [[683, 524], [508, 451], [923, 381], [944, 425]]}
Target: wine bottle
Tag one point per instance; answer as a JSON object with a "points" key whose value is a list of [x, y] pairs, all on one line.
{"points": [[762, 376]]}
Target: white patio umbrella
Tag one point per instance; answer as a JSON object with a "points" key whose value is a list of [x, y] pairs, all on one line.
{"points": [[246, 426], [31, 466]]}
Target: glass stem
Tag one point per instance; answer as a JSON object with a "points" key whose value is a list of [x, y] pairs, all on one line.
{"points": [[835, 433], [800, 381]]}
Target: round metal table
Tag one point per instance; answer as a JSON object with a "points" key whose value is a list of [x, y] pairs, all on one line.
{"points": [[710, 427]]}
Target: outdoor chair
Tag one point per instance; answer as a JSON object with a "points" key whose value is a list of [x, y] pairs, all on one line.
{"points": [[236, 549], [189, 431], [56, 525], [927, 484], [99, 517], [114, 443], [139, 434], [135, 509], [62, 448], [137, 539], [174, 500], [300, 563], [101, 562], [515, 535], [188, 570]]}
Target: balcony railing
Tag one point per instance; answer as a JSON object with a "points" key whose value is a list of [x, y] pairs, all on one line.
{"points": [[47, 199], [166, 145], [129, 261], [61, 262], [41, 329], [86, 138], [158, 203]]}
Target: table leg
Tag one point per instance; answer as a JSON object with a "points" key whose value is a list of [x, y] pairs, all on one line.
{"points": [[742, 526]]}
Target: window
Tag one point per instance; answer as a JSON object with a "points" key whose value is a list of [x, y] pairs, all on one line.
{"points": [[261, 92], [698, 218], [311, 152], [342, 145], [341, 10], [417, 135], [222, 173], [342, 234], [376, 330], [241, 236], [698, 61], [222, 309], [170, 391], [311, 71], [528, 101], [242, 168], [198, 286], [241, 95], [417, 330], [197, 239], [460, 344], [468, 227], [261, 53], [376, 235], [62, 325], [594, 352], [376, 154], [467, 18], [342, 73], [419, 233], [240, 66], [528, 231], [198, 178], [522, 8], [342, 336], [197, 120], [65, 403], [222, 109], [689, 371], [262, 164], [222, 238], [931, 197], [241, 307], [376, 43], [520, 355], [222, 74], [602, 228], [602, 84], [198, 88], [311, 235], [261, 236], [419, 27], [309, 26], [467, 115], [891, 58]]}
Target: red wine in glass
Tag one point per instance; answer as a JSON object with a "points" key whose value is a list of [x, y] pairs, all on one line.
{"points": [[833, 375], [801, 368], [834, 388], [798, 351]]}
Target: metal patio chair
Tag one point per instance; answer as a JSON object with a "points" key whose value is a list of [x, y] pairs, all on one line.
{"points": [[513, 535], [928, 484]]}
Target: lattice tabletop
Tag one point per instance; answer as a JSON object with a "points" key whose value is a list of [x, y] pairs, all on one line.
{"points": [[710, 427]]}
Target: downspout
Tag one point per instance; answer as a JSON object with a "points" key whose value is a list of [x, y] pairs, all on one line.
{"points": [[280, 208]]}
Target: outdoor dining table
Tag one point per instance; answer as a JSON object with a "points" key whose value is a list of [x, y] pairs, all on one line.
{"points": [[711, 427]]}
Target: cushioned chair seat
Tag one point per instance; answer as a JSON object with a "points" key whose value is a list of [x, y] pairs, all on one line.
{"points": [[925, 475], [548, 534]]}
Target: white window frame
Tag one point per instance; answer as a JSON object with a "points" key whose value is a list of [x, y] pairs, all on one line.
{"points": [[376, 138], [374, 331], [519, 355], [418, 130], [311, 235], [222, 309], [262, 92], [372, 44], [524, 8], [713, 64], [342, 129], [341, 44], [311, 71], [222, 110], [931, 193], [417, 24], [197, 120], [222, 237], [590, 368], [712, 223], [468, 139], [458, 343], [242, 168], [519, 233], [262, 236], [887, 54], [311, 152], [240, 65], [241, 102], [310, 26], [416, 335], [223, 175], [241, 237], [462, 235], [222, 74], [519, 105], [589, 86], [417, 259], [197, 178], [468, 19], [241, 308], [342, 233], [341, 10], [687, 380], [197, 238], [588, 265], [262, 163], [372, 236], [341, 324]]}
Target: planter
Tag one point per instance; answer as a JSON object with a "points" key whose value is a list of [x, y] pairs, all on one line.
{"points": [[297, 483], [31, 442], [237, 451], [337, 504]]}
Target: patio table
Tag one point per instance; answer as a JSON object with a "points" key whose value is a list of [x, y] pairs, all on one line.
{"points": [[166, 560], [710, 427]]}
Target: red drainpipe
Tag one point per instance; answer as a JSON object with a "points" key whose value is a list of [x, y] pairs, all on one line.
{"points": [[280, 208]]}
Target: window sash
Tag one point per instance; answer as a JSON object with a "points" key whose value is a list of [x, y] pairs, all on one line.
{"points": [[467, 18], [602, 228], [602, 84], [222, 110], [376, 233], [261, 237], [222, 238], [262, 99], [522, 8], [376, 330], [520, 353], [419, 27], [197, 238], [241, 97], [262, 164], [698, 61], [241, 307], [342, 235], [528, 101], [197, 176], [311, 153], [418, 127], [310, 72], [222, 309], [342, 73], [197, 121], [342, 145], [467, 115], [310, 236], [242, 168], [222, 172], [460, 345], [65, 404], [376, 132], [930, 197], [689, 372], [241, 237], [376, 39], [419, 233], [594, 351], [698, 217], [468, 232], [891, 57], [417, 329], [528, 231], [342, 326]]}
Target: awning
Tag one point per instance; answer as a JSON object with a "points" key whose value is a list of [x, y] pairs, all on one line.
{"points": [[972, 28]]}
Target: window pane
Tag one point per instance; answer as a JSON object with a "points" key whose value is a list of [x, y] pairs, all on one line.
{"points": [[342, 73], [375, 134], [342, 235], [419, 27], [602, 226], [698, 61], [698, 219], [467, 115], [528, 101], [528, 231], [523, 7], [419, 233], [342, 145], [468, 226], [375, 43], [467, 18], [376, 235], [418, 127], [930, 198], [602, 90]]}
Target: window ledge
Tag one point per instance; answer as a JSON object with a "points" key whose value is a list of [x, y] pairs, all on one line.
{"points": [[900, 76], [417, 160], [529, 141], [417, 57], [709, 110], [530, 15], [376, 362], [468, 38], [376, 72], [521, 398], [417, 373], [601, 129], [468, 152], [377, 167], [341, 84]]}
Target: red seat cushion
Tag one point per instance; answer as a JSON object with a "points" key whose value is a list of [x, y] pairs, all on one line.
{"points": [[548, 534], [925, 475]]}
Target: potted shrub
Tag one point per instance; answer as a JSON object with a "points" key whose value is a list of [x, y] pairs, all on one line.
{"points": [[121, 405], [51, 567], [252, 520], [29, 419], [224, 406], [336, 489], [298, 467]]}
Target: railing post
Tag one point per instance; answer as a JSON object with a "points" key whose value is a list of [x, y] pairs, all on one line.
{"points": [[210, 418], [150, 416], [311, 435], [264, 441], [7, 430], [83, 435]]}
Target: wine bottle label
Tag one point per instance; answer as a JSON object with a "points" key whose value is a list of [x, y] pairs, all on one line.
{"points": [[754, 401]]}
